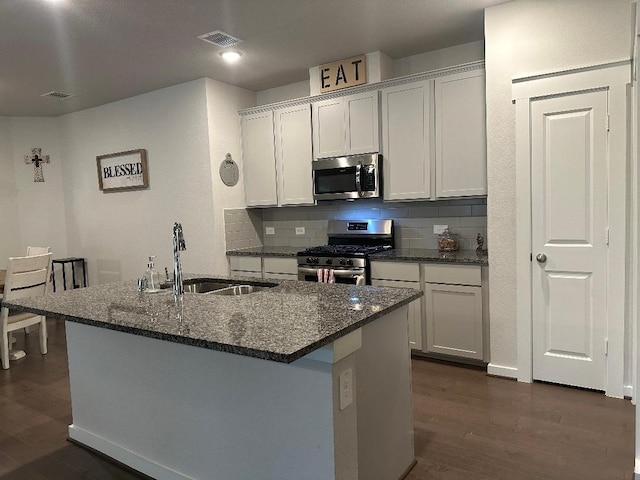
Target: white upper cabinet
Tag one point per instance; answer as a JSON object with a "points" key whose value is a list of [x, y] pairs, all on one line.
{"points": [[434, 138], [406, 112], [346, 125], [461, 140], [277, 156], [362, 120], [329, 128], [293, 155], [259, 160]]}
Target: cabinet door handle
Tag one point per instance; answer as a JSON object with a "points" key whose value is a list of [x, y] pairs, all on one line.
{"points": [[541, 258]]}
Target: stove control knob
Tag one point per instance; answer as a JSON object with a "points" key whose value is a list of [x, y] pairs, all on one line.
{"points": [[328, 262], [312, 260], [349, 262], [343, 262]]}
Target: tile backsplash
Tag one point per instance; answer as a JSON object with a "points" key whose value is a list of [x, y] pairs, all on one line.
{"points": [[413, 222], [242, 228]]}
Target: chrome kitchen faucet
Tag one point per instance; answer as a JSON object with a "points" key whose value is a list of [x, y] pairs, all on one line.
{"points": [[178, 245]]}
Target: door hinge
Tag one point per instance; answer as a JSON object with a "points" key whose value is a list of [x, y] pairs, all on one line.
{"points": [[606, 235], [608, 122], [606, 347]]}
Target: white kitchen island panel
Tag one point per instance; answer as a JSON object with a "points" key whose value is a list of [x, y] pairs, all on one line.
{"points": [[174, 411]]}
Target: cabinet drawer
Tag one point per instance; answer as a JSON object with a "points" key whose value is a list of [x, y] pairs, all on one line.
{"points": [[242, 273], [247, 264], [452, 274], [280, 276], [409, 272], [280, 265]]}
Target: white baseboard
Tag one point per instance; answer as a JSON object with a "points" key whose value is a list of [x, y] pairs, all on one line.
{"points": [[627, 391], [636, 470], [123, 455], [502, 371]]}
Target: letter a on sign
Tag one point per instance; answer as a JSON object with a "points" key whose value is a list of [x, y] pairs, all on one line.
{"points": [[343, 73]]}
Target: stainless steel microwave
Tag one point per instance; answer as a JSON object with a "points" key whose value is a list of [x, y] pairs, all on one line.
{"points": [[356, 176]]}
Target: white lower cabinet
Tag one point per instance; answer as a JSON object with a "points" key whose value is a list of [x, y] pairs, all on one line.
{"points": [[453, 314], [449, 319], [402, 275], [245, 266], [277, 268]]}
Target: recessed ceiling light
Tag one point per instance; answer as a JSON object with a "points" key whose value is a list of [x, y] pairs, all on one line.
{"points": [[231, 56]]}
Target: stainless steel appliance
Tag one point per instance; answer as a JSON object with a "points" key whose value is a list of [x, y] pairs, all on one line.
{"points": [[347, 254], [356, 176]]}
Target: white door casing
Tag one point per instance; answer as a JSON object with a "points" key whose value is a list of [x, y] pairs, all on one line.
{"points": [[613, 78], [569, 245]]}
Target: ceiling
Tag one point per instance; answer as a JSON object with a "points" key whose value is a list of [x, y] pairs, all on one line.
{"points": [[106, 50]]}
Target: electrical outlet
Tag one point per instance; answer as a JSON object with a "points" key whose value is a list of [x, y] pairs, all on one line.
{"points": [[299, 230], [346, 388], [439, 229], [270, 230]]}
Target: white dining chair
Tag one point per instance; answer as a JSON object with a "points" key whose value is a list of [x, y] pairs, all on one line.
{"points": [[25, 277], [31, 251], [37, 250]]}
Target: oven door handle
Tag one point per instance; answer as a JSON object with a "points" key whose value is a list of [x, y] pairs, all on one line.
{"points": [[349, 273], [338, 273]]}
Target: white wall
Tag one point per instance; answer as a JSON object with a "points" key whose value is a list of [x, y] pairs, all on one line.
{"points": [[31, 213], [443, 58], [223, 103], [423, 62], [9, 223], [117, 231], [40, 205], [285, 92], [523, 38]]}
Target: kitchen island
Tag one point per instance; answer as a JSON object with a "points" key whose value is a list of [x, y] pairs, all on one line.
{"points": [[301, 380]]}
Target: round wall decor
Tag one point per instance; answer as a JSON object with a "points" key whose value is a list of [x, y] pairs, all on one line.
{"points": [[229, 173]]}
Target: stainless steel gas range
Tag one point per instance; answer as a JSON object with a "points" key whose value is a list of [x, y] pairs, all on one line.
{"points": [[346, 258]]}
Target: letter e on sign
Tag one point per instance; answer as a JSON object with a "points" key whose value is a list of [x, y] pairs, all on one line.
{"points": [[343, 74]]}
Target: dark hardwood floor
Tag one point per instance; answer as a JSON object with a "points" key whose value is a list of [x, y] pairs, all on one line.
{"points": [[472, 426], [467, 426]]}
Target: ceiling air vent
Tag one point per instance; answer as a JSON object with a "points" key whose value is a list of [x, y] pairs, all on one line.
{"points": [[58, 95], [220, 39]]}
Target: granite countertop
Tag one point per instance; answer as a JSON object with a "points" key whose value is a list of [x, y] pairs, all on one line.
{"points": [[469, 257], [282, 323], [396, 255], [266, 251]]}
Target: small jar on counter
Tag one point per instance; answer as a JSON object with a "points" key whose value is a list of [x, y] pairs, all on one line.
{"points": [[448, 242]]}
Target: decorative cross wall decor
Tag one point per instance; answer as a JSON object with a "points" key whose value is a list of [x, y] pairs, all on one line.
{"points": [[37, 160]]}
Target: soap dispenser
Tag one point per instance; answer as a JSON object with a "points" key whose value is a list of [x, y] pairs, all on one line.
{"points": [[152, 276]]}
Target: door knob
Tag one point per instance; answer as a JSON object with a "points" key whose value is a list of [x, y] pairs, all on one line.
{"points": [[541, 258]]}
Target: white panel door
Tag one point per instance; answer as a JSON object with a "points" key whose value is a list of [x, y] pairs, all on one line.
{"points": [[569, 222], [329, 128], [259, 160], [406, 141], [461, 135], [363, 134], [294, 156]]}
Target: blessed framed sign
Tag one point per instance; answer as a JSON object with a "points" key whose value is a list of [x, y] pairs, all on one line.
{"points": [[123, 170]]}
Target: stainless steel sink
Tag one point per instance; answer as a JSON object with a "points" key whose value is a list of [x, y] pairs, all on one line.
{"points": [[204, 286], [222, 287], [239, 290]]}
